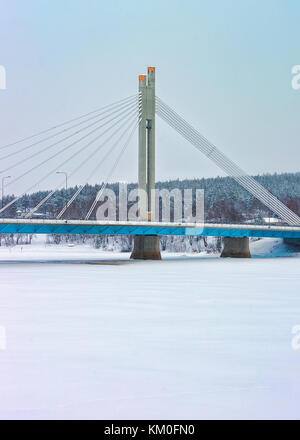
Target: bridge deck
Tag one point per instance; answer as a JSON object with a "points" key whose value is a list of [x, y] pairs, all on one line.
{"points": [[22, 226]]}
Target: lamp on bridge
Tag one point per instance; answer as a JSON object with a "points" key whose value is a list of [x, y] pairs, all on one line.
{"points": [[3, 180], [66, 176]]}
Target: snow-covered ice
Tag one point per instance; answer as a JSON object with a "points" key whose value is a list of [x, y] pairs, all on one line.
{"points": [[100, 336]]}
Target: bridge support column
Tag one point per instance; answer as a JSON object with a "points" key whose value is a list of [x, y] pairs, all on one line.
{"points": [[236, 247], [146, 247]]}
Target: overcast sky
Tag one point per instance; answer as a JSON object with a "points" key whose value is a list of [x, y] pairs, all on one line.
{"points": [[225, 66]]}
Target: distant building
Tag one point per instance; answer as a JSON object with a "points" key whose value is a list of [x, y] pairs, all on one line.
{"points": [[37, 215], [272, 220]]}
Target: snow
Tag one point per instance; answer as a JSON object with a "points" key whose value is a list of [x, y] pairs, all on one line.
{"points": [[91, 334]]}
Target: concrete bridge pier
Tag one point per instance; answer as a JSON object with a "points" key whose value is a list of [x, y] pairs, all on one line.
{"points": [[146, 247], [236, 247]]}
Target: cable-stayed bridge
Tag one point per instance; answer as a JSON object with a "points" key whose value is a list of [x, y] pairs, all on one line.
{"points": [[108, 131]]}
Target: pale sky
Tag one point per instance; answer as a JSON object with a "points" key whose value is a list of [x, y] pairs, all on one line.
{"points": [[225, 66]]}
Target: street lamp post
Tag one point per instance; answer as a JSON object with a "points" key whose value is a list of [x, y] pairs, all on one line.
{"points": [[66, 176], [3, 180]]}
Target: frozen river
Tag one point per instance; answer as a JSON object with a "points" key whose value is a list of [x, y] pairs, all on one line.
{"points": [[188, 337]]}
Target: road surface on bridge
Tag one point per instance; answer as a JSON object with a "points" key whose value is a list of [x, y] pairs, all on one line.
{"points": [[28, 226]]}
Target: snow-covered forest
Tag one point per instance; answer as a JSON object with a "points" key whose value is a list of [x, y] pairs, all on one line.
{"points": [[225, 201]]}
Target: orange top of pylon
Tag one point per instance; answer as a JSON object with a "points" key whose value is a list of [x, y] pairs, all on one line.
{"points": [[142, 77], [151, 69]]}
